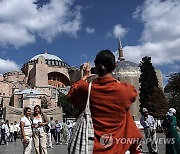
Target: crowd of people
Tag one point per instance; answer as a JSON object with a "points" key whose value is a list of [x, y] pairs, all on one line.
{"points": [[35, 129], [8, 132]]}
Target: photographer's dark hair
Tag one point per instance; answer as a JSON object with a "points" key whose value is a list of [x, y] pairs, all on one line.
{"points": [[105, 62]]}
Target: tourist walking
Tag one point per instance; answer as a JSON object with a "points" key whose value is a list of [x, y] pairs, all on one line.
{"points": [[148, 122], [11, 130], [110, 102], [7, 133], [26, 131], [70, 127], [172, 136], [64, 133], [48, 134], [58, 132], [39, 120], [16, 130], [3, 133], [53, 128]]}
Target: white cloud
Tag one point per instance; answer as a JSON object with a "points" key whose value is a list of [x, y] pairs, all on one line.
{"points": [[119, 31], [164, 52], [7, 66], [90, 30], [23, 22], [10, 34], [160, 37]]}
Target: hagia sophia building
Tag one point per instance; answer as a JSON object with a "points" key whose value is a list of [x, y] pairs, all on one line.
{"points": [[45, 76]]}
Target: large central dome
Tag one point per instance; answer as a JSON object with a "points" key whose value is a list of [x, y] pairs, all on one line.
{"points": [[46, 56]]}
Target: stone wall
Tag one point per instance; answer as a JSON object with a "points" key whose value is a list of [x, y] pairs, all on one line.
{"points": [[6, 88], [41, 77], [1, 77], [14, 114]]}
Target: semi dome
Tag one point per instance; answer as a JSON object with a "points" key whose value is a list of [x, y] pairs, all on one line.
{"points": [[46, 56]]}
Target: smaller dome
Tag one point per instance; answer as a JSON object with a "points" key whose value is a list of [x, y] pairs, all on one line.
{"points": [[46, 56]]}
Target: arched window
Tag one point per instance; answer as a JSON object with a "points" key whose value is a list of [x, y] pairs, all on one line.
{"points": [[50, 62]]}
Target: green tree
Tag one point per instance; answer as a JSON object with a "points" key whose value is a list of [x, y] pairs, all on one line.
{"points": [[158, 103], [174, 83], [151, 95], [44, 102], [174, 90], [68, 108], [147, 80]]}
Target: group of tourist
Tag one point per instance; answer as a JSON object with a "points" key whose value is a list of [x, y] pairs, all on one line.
{"points": [[8, 132], [38, 129], [35, 128], [61, 131], [32, 128]]}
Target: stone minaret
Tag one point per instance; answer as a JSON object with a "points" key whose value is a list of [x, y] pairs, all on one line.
{"points": [[120, 50]]}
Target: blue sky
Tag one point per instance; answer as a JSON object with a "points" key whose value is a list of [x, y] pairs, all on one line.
{"points": [[75, 30]]}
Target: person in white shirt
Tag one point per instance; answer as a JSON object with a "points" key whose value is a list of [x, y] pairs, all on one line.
{"points": [[158, 123], [49, 140], [7, 132], [26, 130], [58, 132], [53, 128], [39, 136], [11, 130], [148, 122], [70, 127], [3, 133], [65, 132], [16, 130]]}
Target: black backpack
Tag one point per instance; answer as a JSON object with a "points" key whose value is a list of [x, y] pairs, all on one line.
{"points": [[46, 128]]}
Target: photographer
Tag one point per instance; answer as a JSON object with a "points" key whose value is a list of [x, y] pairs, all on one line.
{"points": [[110, 102], [26, 130]]}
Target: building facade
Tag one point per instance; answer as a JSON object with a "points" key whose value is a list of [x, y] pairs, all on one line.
{"points": [[39, 82], [45, 76]]}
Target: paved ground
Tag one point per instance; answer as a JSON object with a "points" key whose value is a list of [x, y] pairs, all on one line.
{"points": [[161, 144], [16, 148]]}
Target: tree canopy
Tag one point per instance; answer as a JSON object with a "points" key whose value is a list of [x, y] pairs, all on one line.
{"points": [[44, 102], [151, 95], [174, 90], [174, 83], [68, 108]]}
